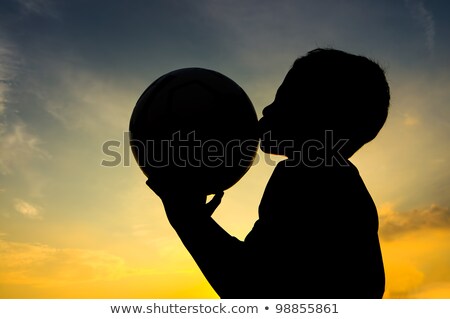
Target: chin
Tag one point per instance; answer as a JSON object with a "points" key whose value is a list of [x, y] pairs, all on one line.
{"points": [[264, 148], [271, 149]]}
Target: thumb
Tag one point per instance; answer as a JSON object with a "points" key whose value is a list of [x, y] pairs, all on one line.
{"points": [[211, 206]]}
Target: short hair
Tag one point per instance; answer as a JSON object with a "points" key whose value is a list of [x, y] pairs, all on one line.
{"points": [[350, 92]]}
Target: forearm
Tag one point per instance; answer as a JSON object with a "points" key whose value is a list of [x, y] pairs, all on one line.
{"points": [[220, 256]]}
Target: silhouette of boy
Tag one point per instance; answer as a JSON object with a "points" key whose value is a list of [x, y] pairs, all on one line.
{"points": [[317, 232]]}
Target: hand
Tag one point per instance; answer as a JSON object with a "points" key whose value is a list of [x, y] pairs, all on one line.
{"points": [[184, 206]]}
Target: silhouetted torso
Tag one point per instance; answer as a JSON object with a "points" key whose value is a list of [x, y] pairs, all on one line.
{"points": [[316, 236]]}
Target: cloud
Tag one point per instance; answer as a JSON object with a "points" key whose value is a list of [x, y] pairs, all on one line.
{"points": [[417, 264], [435, 291], [426, 21], [3, 90], [38, 7], [140, 230], [38, 264], [8, 66], [410, 120], [261, 30], [18, 147], [416, 251], [394, 224], [17, 144], [26, 209], [84, 100]]}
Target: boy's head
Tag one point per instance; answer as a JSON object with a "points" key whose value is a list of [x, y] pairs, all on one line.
{"points": [[327, 90]]}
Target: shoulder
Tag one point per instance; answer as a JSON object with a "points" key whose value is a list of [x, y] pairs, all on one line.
{"points": [[320, 186], [286, 171]]}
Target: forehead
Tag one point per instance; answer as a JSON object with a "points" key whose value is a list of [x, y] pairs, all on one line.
{"points": [[294, 85]]}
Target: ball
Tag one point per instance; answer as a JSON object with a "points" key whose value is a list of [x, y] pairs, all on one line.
{"points": [[194, 128]]}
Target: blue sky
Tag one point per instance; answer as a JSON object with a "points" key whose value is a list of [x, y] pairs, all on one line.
{"points": [[71, 72]]}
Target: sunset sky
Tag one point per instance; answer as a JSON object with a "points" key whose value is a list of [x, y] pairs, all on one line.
{"points": [[72, 71]]}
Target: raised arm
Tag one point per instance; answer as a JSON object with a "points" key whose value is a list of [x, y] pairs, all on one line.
{"points": [[220, 256]]}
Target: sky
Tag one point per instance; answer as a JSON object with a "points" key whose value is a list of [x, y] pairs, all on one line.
{"points": [[72, 71]]}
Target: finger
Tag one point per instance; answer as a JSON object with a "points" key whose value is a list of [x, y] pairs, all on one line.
{"points": [[213, 203]]}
